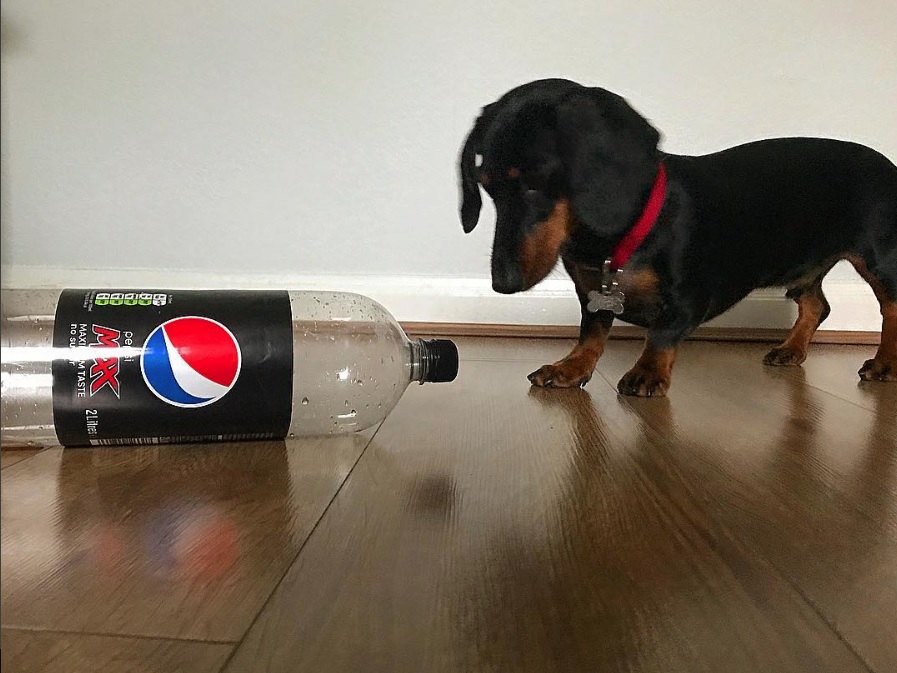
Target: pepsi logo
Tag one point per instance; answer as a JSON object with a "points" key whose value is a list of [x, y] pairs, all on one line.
{"points": [[190, 361]]}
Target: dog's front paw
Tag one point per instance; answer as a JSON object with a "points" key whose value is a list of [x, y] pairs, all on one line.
{"points": [[642, 382], [879, 370], [569, 373], [784, 356]]}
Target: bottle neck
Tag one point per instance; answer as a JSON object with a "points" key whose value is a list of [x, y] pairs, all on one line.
{"points": [[434, 361], [421, 360]]}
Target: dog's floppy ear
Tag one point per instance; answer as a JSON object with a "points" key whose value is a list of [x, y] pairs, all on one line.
{"points": [[469, 185], [467, 172], [610, 151]]}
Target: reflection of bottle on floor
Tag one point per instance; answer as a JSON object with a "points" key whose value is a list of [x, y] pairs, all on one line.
{"points": [[88, 367]]}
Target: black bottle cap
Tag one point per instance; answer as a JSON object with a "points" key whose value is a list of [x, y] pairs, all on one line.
{"points": [[443, 365]]}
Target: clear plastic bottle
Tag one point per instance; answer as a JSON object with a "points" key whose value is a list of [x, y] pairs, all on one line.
{"points": [[341, 359]]}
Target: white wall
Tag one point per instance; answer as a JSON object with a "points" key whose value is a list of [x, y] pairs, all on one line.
{"points": [[298, 139]]}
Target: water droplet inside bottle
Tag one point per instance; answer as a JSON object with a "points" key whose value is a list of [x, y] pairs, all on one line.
{"points": [[347, 403], [304, 400]]}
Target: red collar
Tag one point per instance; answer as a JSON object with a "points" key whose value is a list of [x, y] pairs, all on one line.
{"points": [[636, 236]]}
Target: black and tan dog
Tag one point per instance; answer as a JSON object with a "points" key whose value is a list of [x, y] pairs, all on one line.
{"points": [[575, 173]]}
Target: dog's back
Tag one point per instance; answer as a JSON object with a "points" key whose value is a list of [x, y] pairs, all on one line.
{"points": [[782, 206]]}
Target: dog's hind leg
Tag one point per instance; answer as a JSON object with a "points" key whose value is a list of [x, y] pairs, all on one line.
{"points": [[883, 279], [812, 309]]}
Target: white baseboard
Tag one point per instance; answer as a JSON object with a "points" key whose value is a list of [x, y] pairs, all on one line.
{"points": [[456, 300]]}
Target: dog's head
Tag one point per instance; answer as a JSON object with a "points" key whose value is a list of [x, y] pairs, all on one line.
{"points": [[555, 157]]}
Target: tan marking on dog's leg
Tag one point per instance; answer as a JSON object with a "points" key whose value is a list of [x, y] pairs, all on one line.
{"points": [[812, 309], [883, 367], [576, 369], [652, 374]]}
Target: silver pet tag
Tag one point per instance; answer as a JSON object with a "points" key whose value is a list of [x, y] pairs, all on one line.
{"points": [[605, 302], [610, 298]]}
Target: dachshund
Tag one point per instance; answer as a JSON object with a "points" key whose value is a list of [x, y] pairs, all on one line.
{"points": [[666, 241]]}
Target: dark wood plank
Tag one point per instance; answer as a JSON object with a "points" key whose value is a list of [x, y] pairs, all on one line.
{"points": [[489, 527], [45, 652], [9, 457], [834, 370], [177, 541], [803, 475], [528, 351]]}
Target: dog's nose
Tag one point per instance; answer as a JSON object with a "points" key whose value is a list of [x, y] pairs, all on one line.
{"points": [[507, 281]]}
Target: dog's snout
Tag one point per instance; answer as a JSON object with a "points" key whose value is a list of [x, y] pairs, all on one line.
{"points": [[506, 279]]}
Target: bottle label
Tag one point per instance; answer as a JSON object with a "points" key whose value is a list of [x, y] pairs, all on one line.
{"points": [[161, 366]]}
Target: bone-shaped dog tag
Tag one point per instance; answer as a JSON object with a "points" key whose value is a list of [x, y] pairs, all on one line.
{"points": [[609, 301]]}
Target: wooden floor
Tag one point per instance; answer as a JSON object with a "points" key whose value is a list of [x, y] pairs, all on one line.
{"points": [[746, 523]]}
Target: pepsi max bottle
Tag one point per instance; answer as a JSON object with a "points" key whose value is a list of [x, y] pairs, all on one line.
{"points": [[92, 367]]}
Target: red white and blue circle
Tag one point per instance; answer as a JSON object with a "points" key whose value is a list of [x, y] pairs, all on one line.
{"points": [[191, 361]]}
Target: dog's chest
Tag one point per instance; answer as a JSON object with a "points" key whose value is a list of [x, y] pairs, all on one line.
{"points": [[636, 289]]}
